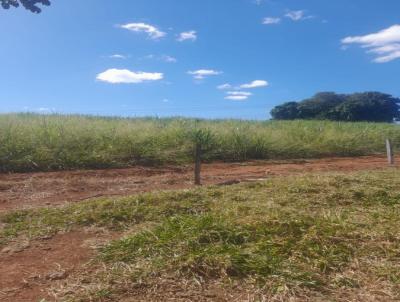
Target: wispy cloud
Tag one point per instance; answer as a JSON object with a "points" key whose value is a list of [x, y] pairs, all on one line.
{"points": [[224, 86], [118, 56], [187, 35], [168, 59], [245, 93], [152, 31], [238, 95], [385, 44], [204, 73], [271, 20], [254, 84], [298, 15], [125, 76], [164, 58]]}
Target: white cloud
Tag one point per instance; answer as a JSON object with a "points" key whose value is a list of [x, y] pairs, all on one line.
{"points": [[152, 31], [168, 59], [187, 35], [236, 97], [298, 15], [203, 73], [125, 76], [244, 93], [385, 43], [271, 20], [164, 58], [254, 84], [118, 56], [224, 86]]}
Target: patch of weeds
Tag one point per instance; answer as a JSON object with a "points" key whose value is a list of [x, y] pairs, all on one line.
{"points": [[301, 251], [116, 214]]}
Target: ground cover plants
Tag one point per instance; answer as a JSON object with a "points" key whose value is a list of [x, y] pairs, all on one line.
{"points": [[330, 236]]}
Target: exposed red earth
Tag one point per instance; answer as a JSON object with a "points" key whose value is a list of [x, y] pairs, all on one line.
{"points": [[27, 190]]}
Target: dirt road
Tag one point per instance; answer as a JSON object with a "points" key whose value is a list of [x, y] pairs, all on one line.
{"points": [[27, 190]]}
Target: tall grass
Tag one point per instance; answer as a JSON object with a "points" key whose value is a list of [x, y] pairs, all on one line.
{"points": [[51, 142]]}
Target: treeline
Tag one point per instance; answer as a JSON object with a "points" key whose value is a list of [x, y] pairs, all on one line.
{"points": [[366, 106]]}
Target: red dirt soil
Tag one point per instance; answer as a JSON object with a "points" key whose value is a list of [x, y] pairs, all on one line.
{"points": [[28, 190], [28, 270]]}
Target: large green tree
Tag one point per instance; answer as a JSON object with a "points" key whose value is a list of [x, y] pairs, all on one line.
{"points": [[32, 5], [367, 106]]}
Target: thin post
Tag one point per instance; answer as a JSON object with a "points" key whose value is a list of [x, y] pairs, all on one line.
{"points": [[197, 166], [389, 150]]}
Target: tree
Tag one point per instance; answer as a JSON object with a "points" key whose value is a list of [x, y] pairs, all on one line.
{"points": [[367, 106], [286, 111], [319, 105], [31, 5]]}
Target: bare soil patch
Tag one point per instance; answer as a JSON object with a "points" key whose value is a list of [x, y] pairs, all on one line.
{"points": [[27, 271], [28, 190]]}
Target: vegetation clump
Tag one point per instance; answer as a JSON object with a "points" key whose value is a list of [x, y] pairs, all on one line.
{"points": [[356, 107]]}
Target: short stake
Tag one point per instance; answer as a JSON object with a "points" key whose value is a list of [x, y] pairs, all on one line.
{"points": [[197, 166], [389, 150]]}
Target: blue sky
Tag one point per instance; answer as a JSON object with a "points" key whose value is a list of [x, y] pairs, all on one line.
{"points": [[172, 57]]}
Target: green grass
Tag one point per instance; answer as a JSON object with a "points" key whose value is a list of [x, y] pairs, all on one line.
{"points": [[54, 142], [318, 234]]}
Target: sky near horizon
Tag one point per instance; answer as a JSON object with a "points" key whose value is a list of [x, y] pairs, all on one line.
{"points": [[195, 58]]}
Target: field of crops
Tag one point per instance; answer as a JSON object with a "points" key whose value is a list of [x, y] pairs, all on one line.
{"points": [[30, 142]]}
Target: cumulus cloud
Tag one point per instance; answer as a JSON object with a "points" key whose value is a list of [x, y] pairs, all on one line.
{"points": [[187, 35], [297, 15], [271, 20], [385, 44], [254, 84], [152, 31], [125, 76], [203, 73]]}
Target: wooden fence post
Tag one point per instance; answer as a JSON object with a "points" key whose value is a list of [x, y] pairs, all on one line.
{"points": [[197, 165], [389, 150]]}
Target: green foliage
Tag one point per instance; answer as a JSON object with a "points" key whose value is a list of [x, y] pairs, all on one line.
{"points": [[30, 142], [211, 247], [31, 5], [368, 106]]}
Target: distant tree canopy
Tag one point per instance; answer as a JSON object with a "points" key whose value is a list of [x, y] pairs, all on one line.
{"points": [[31, 5], [366, 106]]}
